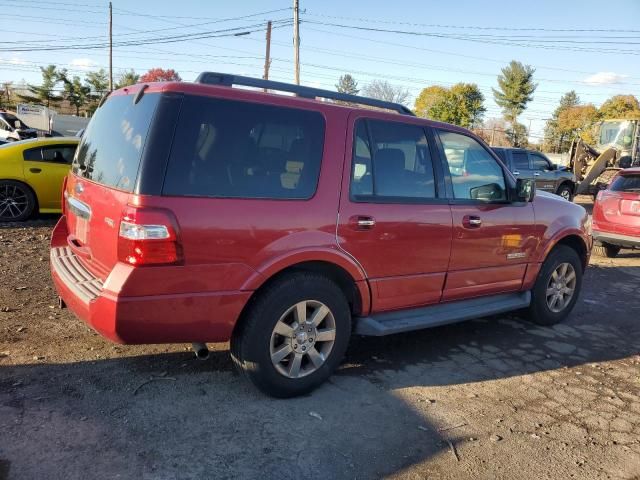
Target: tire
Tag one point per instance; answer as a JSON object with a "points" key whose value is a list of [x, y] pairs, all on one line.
{"points": [[17, 201], [255, 339], [565, 191], [542, 310], [606, 250]]}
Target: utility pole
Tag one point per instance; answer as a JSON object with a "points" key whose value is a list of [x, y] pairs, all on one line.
{"points": [[296, 39], [493, 136], [110, 47], [267, 55]]}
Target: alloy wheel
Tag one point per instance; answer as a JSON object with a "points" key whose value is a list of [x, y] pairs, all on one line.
{"points": [[302, 339], [561, 287], [14, 202]]}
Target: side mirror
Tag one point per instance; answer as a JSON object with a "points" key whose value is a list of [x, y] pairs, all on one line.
{"points": [[525, 190]]}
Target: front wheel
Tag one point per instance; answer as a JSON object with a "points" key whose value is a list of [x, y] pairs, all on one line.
{"points": [[293, 335], [557, 287]]}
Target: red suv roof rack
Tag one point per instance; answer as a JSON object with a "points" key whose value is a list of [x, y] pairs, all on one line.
{"points": [[226, 79]]}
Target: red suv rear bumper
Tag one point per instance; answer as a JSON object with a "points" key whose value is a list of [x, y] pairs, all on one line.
{"points": [[184, 317]]}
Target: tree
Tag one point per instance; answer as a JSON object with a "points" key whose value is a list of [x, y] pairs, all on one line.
{"points": [[620, 106], [347, 84], [45, 93], [430, 101], [517, 133], [98, 84], [127, 78], [577, 121], [462, 104], [383, 90], [160, 75], [516, 89], [556, 139], [74, 91]]}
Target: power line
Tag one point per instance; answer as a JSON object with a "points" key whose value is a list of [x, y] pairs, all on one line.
{"points": [[472, 27]]}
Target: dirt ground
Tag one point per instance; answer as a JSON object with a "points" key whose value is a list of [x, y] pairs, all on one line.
{"points": [[490, 398]]}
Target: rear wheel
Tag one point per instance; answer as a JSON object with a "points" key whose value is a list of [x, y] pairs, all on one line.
{"points": [[606, 250], [565, 191], [557, 287], [293, 335], [16, 201]]}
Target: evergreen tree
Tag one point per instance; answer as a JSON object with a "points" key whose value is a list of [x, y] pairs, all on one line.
{"points": [[347, 84], [44, 94], [515, 91], [127, 78]]}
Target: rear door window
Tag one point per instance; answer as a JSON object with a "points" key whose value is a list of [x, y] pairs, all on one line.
{"points": [[234, 149], [626, 183], [112, 144], [391, 161]]}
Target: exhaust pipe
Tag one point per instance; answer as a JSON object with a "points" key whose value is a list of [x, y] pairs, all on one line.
{"points": [[201, 350]]}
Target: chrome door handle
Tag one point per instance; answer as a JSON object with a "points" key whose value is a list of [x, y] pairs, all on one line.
{"points": [[471, 221], [366, 222], [516, 173], [362, 222], [536, 174]]}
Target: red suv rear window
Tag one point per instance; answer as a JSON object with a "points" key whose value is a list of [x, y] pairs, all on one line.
{"points": [[112, 145], [626, 183]]}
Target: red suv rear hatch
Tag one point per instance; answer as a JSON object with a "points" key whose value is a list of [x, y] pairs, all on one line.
{"points": [[617, 209], [103, 178]]}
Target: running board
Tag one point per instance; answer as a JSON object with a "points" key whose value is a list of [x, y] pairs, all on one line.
{"points": [[388, 323]]}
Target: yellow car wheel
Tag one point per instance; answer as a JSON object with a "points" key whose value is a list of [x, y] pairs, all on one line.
{"points": [[16, 201]]}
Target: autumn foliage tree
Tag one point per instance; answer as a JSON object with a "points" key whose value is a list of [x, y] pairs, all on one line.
{"points": [[621, 106], [462, 104], [160, 75]]}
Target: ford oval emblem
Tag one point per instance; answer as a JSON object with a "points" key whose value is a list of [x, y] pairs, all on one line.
{"points": [[79, 188]]}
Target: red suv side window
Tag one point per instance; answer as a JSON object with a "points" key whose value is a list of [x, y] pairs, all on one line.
{"points": [[391, 160]]}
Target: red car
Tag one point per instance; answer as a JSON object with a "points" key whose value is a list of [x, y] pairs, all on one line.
{"points": [[616, 214], [199, 212]]}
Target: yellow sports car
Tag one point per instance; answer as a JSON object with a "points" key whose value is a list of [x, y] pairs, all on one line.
{"points": [[31, 175]]}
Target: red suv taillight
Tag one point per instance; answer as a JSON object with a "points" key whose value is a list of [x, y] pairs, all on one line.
{"points": [[148, 237]]}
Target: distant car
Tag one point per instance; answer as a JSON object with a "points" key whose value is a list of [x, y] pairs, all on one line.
{"points": [[531, 164], [616, 214], [12, 129], [31, 176]]}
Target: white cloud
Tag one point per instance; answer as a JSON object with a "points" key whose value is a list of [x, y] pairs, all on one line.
{"points": [[605, 78], [82, 63], [14, 60]]}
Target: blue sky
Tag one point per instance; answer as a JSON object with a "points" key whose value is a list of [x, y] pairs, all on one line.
{"points": [[412, 61]]}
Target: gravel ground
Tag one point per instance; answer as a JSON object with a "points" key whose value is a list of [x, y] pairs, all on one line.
{"points": [[490, 398]]}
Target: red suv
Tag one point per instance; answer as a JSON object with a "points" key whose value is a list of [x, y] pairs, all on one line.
{"points": [[199, 212], [616, 214]]}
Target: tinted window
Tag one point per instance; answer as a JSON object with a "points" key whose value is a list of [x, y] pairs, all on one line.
{"points": [[112, 144], [394, 162], [33, 154], [520, 160], [626, 183], [362, 172], [58, 153], [245, 150], [539, 162], [475, 174], [501, 153]]}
